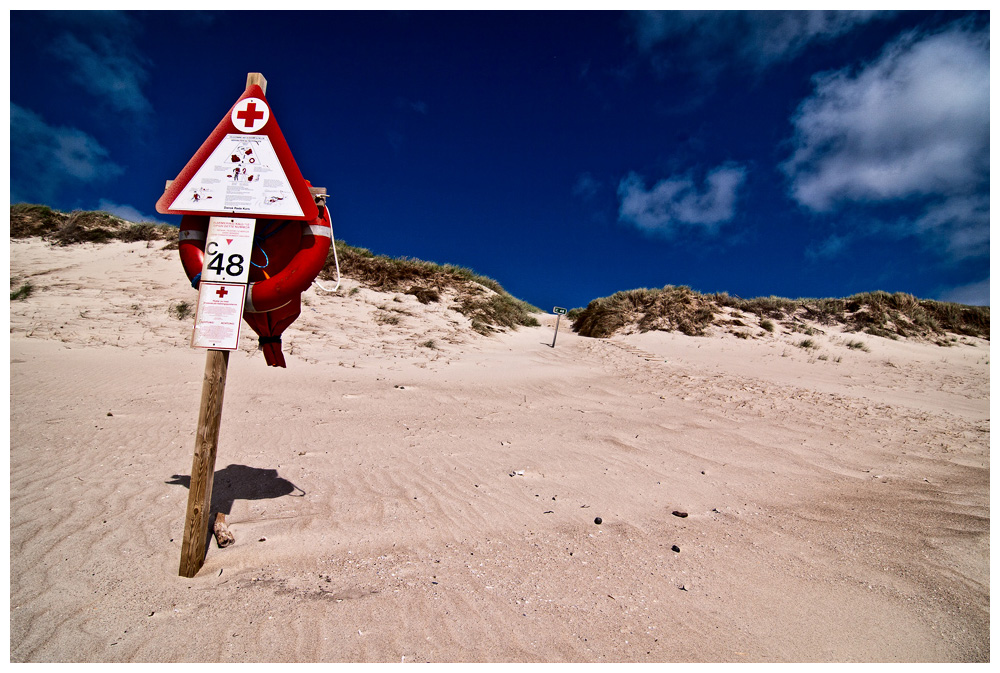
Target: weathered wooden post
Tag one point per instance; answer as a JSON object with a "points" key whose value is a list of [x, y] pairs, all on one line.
{"points": [[206, 444]]}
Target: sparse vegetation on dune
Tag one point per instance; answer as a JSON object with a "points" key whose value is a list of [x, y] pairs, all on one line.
{"points": [[669, 309], [82, 226], [491, 308], [23, 292], [890, 315], [479, 298]]}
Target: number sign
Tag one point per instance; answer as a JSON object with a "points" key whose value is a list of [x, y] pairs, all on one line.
{"points": [[228, 247]]}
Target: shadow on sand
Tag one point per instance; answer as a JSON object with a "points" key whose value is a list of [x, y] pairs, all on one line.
{"points": [[241, 482]]}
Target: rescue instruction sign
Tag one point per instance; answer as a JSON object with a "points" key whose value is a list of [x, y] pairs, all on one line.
{"points": [[242, 175], [220, 313], [243, 168]]}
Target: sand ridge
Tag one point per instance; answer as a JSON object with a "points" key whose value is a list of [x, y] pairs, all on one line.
{"points": [[408, 490]]}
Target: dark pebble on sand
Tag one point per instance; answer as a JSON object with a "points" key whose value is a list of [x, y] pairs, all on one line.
{"points": [[680, 514], [598, 521], [675, 548]]}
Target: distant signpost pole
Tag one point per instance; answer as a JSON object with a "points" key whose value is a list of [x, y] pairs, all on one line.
{"points": [[560, 312]]}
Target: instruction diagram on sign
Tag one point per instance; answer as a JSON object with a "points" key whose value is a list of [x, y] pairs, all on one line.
{"points": [[242, 175]]}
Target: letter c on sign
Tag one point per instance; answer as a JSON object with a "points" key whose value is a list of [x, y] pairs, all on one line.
{"points": [[209, 249]]}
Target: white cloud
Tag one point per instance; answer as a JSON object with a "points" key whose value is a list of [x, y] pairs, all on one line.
{"points": [[101, 56], [830, 248], [974, 294], [778, 36], [677, 202], [913, 124], [759, 38], [127, 213], [44, 158], [960, 222]]}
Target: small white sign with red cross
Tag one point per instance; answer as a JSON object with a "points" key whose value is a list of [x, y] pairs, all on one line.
{"points": [[220, 313]]}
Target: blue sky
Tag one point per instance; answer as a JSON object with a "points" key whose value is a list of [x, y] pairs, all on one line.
{"points": [[566, 154]]}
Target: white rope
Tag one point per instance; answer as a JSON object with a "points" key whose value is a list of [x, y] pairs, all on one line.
{"points": [[335, 260]]}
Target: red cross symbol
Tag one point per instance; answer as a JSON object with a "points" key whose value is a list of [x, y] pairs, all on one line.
{"points": [[221, 292], [250, 115]]}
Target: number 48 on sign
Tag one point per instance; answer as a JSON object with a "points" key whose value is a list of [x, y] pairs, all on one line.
{"points": [[228, 246]]}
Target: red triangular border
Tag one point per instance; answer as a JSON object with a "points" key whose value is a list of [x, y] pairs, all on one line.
{"points": [[299, 186]]}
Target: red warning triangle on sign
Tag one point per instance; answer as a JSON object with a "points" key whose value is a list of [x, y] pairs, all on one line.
{"points": [[244, 168]]}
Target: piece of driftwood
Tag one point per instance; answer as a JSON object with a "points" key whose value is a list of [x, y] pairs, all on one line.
{"points": [[223, 535]]}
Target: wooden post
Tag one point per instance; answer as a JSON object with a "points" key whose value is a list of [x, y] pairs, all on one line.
{"points": [[258, 79], [203, 466], [556, 333], [206, 444]]}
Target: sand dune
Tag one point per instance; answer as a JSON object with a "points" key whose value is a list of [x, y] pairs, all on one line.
{"points": [[418, 492]]}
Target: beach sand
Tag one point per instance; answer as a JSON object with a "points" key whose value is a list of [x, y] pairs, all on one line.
{"points": [[418, 492]]}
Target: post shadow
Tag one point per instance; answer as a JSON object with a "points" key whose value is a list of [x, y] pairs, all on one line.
{"points": [[241, 482]]}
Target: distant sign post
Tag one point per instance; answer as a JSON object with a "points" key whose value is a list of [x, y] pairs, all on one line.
{"points": [[560, 312]]}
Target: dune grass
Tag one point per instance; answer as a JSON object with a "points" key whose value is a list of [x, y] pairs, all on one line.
{"points": [[82, 226], [25, 290], [890, 315], [669, 309], [481, 299], [491, 308]]}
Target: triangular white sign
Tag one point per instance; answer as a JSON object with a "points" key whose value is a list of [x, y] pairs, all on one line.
{"points": [[242, 175]]}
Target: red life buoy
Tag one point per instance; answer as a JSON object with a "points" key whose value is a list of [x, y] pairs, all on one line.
{"points": [[192, 246], [287, 257], [284, 281]]}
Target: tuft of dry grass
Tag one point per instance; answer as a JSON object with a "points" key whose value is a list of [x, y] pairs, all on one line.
{"points": [[669, 309], [181, 310], [23, 292], [879, 313]]}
